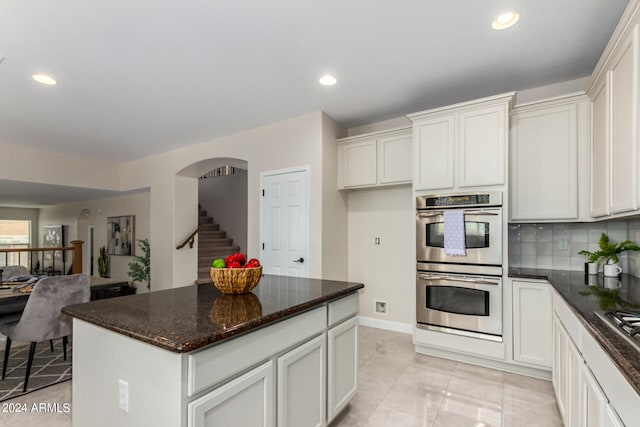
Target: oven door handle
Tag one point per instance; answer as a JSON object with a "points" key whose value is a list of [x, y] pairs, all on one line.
{"points": [[438, 213], [430, 214], [480, 213], [458, 279]]}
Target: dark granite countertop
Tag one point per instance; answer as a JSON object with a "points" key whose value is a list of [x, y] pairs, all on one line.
{"points": [[587, 294], [188, 318]]}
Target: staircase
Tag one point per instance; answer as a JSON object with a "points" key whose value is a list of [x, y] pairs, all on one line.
{"points": [[212, 243]]}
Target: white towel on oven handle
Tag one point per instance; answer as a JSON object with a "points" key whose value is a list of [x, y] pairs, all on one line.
{"points": [[454, 244]]}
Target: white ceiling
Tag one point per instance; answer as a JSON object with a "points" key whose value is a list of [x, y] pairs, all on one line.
{"points": [[145, 76]]}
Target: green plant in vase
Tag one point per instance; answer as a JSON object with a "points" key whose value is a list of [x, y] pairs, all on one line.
{"points": [[608, 253], [140, 267], [103, 262]]}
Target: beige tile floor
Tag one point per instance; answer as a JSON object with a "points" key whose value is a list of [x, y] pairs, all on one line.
{"points": [[397, 388], [401, 388]]}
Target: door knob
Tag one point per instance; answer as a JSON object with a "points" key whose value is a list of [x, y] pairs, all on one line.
{"points": [[300, 260]]}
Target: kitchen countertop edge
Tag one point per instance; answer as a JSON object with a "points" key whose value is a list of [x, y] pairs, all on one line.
{"points": [[81, 313]]}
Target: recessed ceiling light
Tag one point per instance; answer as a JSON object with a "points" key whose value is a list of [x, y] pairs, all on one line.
{"points": [[327, 80], [44, 79], [504, 21]]}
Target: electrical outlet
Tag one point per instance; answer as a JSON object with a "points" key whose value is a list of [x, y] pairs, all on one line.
{"points": [[376, 241], [380, 307], [563, 244], [123, 392]]}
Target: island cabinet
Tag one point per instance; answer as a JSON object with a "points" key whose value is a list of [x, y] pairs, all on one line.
{"points": [[298, 370], [549, 160], [462, 145], [375, 159]]}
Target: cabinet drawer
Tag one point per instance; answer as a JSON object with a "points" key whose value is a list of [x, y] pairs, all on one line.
{"points": [[343, 309], [210, 366]]}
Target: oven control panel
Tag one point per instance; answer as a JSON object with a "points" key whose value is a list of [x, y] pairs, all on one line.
{"points": [[459, 200]]}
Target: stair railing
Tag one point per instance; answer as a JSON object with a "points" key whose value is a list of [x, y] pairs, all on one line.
{"points": [[190, 239], [76, 260]]}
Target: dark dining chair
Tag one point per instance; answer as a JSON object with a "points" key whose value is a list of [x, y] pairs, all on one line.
{"points": [[42, 319]]}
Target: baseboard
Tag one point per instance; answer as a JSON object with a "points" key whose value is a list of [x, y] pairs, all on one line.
{"points": [[388, 325]]}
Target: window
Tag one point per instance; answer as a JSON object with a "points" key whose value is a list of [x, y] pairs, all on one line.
{"points": [[14, 234]]}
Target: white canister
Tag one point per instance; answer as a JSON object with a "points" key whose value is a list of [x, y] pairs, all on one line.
{"points": [[612, 270], [592, 268]]}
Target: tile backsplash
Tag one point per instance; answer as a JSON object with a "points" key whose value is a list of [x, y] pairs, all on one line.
{"points": [[556, 245]]}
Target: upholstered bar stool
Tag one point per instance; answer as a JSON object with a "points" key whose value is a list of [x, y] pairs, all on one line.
{"points": [[42, 319]]}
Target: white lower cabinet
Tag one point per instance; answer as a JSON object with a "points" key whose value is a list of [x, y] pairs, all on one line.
{"points": [[532, 323], [590, 390], [301, 385], [299, 373], [593, 400], [227, 405], [342, 361], [611, 419]]}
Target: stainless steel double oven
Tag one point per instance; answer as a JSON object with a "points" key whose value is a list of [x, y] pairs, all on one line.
{"points": [[460, 294]]}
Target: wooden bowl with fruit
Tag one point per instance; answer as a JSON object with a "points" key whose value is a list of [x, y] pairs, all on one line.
{"points": [[236, 275]]}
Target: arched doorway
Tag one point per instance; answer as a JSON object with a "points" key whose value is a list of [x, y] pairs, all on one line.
{"points": [[222, 209]]}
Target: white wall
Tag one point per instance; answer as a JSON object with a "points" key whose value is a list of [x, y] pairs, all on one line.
{"points": [[225, 199], [49, 167], [286, 144], [334, 205], [78, 228], [387, 270]]}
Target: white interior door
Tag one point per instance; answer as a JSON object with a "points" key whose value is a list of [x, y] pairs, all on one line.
{"points": [[285, 223]]}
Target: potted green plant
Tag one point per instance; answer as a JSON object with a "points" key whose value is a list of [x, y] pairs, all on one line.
{"points": [[608, 253], [140, 267], [103, 262]]}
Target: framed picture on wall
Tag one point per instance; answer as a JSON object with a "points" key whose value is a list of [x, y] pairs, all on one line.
{"points": [[53, 237], [121, 235]]}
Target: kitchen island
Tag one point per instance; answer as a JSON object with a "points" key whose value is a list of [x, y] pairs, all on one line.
{"points": [[285, 353]]}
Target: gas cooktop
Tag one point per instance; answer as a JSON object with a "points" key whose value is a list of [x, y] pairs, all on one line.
{"points": [[625, 323]]}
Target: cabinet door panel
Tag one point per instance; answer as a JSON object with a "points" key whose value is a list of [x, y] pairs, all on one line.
{"points": [[342, 366], [227, 405], [482, 140], [395, 159], [434, 153], [301, 385], [611, 418], [360, 164], [546, 138], [623, 133], [560, 368], [593, 400], [532, 323], [600, 150]]}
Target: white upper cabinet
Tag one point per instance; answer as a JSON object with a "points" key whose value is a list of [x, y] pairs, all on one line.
{"points": [[360, 164], [615, 97], [462, 145], [373, 159], [600, 149], [434, 145], [482, 141], [549, 159], [394, 157], [624, 120]]}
